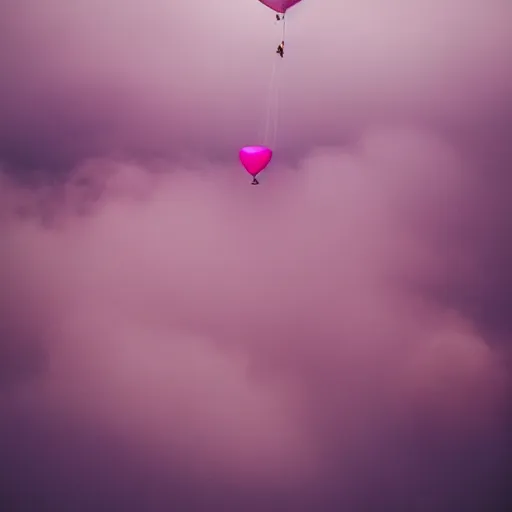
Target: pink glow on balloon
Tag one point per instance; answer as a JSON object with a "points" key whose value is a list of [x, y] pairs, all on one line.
{"points": [[280, 6], [255, 158]]}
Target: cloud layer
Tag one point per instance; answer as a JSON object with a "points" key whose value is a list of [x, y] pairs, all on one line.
{"points": [[174, 339]]}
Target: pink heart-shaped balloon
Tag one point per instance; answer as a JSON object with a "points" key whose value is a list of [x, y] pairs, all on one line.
{"points": [[255, 158]]}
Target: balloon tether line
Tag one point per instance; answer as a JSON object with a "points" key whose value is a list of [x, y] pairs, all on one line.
{"points": [[270, 104], [270, 127]]}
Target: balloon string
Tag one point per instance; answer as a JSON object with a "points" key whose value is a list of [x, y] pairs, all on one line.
{"points": [[275, 119], [270, 104], [276, 107]]}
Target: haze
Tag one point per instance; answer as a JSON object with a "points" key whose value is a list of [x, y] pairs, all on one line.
{"points": [[173, 339]]}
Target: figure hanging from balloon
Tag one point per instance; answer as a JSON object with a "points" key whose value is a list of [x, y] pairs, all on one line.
{"points": [[256, 158], [280, 7], [280, 49]]}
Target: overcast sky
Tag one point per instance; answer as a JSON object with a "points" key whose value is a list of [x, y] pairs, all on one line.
{"points": [[335, 339]]}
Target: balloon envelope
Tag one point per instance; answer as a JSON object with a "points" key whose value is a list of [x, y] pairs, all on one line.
{"points": [[255, 158], [280, 5]]}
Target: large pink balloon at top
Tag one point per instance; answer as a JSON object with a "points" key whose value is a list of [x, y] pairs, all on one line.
{"points": [[255, 158], [280, 5]]}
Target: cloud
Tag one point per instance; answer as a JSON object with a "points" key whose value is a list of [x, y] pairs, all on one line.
{"points": [[336, 338], [257, 347]]}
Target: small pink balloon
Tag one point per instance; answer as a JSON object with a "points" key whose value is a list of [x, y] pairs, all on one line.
{"points": [[255, 158]]}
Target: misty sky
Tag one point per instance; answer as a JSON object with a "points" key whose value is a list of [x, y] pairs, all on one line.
{"points": [[336, 339]]}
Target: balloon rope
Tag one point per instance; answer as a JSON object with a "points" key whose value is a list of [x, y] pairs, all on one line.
{"points": [[272, 126], [275, 117], [270, 104]]}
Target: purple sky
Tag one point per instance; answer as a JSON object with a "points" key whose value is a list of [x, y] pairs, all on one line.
{"points": [[173, 339]]}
